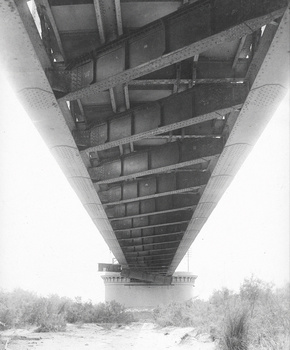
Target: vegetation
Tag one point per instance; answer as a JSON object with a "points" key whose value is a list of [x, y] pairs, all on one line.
{"points": [[235, 334], [20, 308], [255, 318]]}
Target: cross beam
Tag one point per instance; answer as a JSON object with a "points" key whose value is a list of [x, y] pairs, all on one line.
{"points": [[197, 105], [145, 252], [153, 231], [170, 156], [153, 226], [153, 213], [150, 187], [178, 36], [133, 246], [189, 191], [164, 239], [153, 219], [149, 236], [142, 259], [145, 276]]}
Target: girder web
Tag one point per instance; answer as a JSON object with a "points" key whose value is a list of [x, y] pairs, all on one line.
{"points": [[151, 104], [178, 36]]}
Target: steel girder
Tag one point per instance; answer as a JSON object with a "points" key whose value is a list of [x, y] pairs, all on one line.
{"points": [[194, 106], [162, 221], [162, 184], [158, 159], [151, 252], [183, 34], [268, 86], [189, 195], [143, 238], [98, 109], [25, 60], [163, 243], [182, 208], [151, 214], [140, 275], [137, 212], [152, 232]]}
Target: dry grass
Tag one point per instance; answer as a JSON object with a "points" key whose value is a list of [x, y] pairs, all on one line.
{"points": [[256, 318], [235, 334]]}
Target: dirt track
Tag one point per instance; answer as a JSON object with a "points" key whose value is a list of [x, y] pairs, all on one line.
{"points": [[91, 336]]}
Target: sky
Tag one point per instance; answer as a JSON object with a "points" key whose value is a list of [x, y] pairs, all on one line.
{"points": [[48, 243]]}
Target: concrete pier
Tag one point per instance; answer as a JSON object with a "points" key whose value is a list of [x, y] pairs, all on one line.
{"points": [[137, 294]]}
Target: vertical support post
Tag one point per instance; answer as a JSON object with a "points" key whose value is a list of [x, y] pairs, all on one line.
{"points": [[99, 21]]}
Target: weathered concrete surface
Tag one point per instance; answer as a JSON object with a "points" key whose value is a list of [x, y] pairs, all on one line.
{"points": [[142, 295]]}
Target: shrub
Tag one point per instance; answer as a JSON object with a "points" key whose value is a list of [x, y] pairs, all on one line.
{"points": [[235, 334], [257, 318], [50, 314], [193, 313], [53, 323]]}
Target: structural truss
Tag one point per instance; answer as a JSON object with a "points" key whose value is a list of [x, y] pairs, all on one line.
{"points": [[149, 107]]}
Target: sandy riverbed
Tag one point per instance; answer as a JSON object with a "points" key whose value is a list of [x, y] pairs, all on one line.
{"points": [[90, 336]]}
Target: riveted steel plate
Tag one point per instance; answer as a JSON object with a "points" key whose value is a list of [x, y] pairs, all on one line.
{"points": [[157, 187], [130, 190], [249, 125], [72, 18], [111, 64], [245, 24], [151, 215], [195, 106], [24, 68], [195, 23], [170, 156], [147, 48]]}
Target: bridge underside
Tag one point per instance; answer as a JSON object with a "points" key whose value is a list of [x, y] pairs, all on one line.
{"points": [[150, 108]]}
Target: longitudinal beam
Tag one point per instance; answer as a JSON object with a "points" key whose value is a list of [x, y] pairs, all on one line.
{"points": [[45, 8], [153, 219], [158, 268], [149, 262], [149, 236], [99, 21], [153, 226], [191, 191], [170, 156], [178, 36], [144, 276], [145, 252], [25, 62], [187, 208], [154, 187], [149, 265], [197, 105], [197, 72], [150, 256], [133, 246], [146, 258], [167, 83], [269, 84], [153, 232]]}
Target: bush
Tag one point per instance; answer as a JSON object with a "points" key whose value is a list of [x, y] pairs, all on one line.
{"points": [[53, 323], [235, 334], [20, 308], [194, 313], [256, 318]]}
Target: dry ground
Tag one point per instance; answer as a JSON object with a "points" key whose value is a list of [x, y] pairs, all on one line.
{"points": [[90, 336]]}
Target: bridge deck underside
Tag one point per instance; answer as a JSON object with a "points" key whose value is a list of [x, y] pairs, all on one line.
{"points": [[155, 91]]}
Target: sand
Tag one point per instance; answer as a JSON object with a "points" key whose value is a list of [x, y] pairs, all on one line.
{"points": [[104, 337]]}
